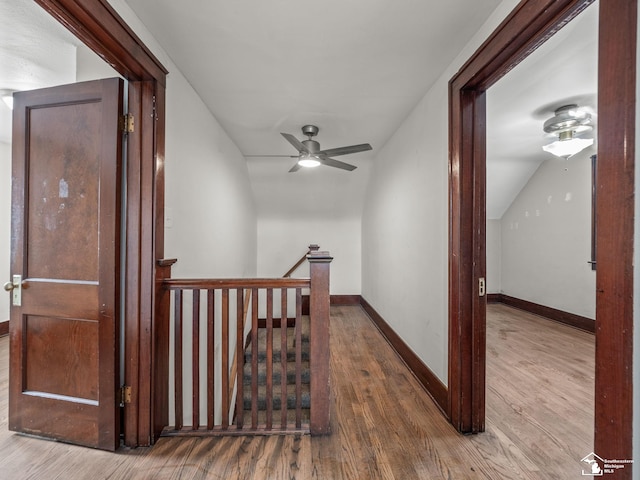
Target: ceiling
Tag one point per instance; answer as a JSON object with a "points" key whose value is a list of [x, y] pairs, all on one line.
{"points": [[561, 71], [355, 69], [35, 52]]}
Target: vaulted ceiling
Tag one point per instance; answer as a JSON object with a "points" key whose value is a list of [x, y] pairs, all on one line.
{"points": [[355, 69]]}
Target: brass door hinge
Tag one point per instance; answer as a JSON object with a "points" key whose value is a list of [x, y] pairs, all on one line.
{"points": [[125, 394], [127, 123]]}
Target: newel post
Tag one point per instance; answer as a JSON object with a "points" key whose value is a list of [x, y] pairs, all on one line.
{"points": [[160, 353], [319, 302]]}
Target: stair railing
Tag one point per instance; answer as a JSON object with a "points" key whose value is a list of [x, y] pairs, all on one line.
{"points": [[312, 248], [208, 333]]}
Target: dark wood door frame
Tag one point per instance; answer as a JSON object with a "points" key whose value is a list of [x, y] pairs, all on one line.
{"points": [[97, 25], [527, 27]]}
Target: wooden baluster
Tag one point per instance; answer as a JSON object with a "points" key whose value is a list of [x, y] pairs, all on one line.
{"points": [[177, 371], [269, 423], [233, 372], [240, 356], [283, 358], [298, 333], [254, 359], [211, 372], [195, 360], [225, 358]]}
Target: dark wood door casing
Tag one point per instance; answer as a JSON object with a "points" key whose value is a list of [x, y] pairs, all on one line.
{"points": [[527, 27], [99, 26]]}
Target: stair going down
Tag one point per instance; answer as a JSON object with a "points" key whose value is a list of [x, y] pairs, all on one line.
{"points": [[276, 377]]}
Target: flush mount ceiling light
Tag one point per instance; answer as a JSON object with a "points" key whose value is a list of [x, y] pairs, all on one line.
{"points": [[568, 122]]}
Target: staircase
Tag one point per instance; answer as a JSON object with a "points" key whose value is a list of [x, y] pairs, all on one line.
{"points": [[257, 377], [276, 368]]}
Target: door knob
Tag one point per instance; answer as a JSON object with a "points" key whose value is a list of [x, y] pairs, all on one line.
{"points": [[15, 288]]}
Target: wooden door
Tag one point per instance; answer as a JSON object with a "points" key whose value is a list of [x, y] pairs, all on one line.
{"points": [[64, 365]]}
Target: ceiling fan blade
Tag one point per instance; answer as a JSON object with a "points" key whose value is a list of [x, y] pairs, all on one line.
{"points": [[330, 162], [295, 168], [295, 142], [271, 156], [334, 152]]}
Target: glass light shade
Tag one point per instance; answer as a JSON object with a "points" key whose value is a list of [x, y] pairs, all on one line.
{"points": [[308, 161], [568, 148]]}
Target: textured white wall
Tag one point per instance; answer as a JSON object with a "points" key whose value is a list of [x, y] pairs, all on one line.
{"points": [[404, 233], [5, 226], [210, 215], [546, 238], [494, 256], [405, 221], [282, 241], [405, 225]]}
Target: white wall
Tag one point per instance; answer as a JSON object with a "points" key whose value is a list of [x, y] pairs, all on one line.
{"points": [[494, 256], [282, 241], [546, 238], [210, 213], [405, 222], [5, 226]]}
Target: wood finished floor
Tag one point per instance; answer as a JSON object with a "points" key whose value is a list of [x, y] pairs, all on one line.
{"points": [[539, 420]]}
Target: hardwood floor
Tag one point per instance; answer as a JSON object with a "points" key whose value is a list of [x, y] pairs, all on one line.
{"points": [[539, 420]]}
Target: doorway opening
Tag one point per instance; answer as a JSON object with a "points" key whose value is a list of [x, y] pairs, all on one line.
{"points": [[522, 32]]}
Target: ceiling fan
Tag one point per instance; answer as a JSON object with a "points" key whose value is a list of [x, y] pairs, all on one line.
{"points": [[310, 155]]}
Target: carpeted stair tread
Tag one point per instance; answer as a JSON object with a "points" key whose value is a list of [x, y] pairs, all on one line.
{"points": [[277, 397], [277, 344], [277, 372]]}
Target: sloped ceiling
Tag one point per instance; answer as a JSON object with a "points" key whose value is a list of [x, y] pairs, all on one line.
{"points": [[355, 69], [561, 71], [35, 52]]}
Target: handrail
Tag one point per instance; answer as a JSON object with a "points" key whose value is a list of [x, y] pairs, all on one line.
{"points": [[216, 283], [312, 248]]}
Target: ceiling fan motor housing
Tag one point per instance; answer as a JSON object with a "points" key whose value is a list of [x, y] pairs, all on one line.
{"points": [[311, 145]]}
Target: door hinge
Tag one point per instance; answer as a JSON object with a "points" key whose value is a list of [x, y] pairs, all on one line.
{"points": [[154, 114], [481, 287], [125, 394], [127, 123]]}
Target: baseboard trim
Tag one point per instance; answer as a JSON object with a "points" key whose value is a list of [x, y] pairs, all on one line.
{"points": [[341, 300], [494, 298], [345, 299], [4, 328], [571, 319], [429, 381]]}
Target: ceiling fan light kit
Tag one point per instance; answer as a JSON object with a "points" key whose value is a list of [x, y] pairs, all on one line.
{"points": [[568, 122], [308, 161], [310, 155]]}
